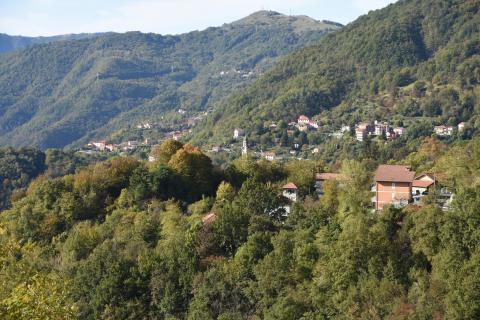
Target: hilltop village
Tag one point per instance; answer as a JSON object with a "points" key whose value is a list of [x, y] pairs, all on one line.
{"points": [[295, 131]]}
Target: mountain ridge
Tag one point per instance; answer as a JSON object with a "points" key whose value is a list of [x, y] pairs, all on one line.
{"points": [[71, 92], [407, 43]]}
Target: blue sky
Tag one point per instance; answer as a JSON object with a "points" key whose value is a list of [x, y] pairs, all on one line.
{"points": [[50, 17]]}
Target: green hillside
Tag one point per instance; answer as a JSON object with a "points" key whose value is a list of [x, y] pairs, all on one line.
{"points": [[65, 93], [10, 43], [415, 58]]}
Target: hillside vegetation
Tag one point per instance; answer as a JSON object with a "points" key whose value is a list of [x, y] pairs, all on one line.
{"points": [[416, 58], [124, 239], [65, 93], [13, 43]]}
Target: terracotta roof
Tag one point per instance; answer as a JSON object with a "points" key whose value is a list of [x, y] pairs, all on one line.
{"points": [[327, 176], [363, 126], [304, 118], [422, 183], [209, 218], [290, 186], [418, 182], [393, 173]]}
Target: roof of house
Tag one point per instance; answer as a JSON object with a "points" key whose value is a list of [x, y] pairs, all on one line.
{"points": [[304, 118], [327, 176], [363, 126], [422, 183], [394, 173], [209, 218], [290, 186]]}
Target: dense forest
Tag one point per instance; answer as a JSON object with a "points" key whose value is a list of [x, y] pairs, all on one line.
{"points": [[183, 239], [415, 61], [68, 92], [189, 236], [19, 167]]}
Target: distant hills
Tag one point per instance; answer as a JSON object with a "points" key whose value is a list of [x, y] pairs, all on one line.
{"points": [[414, 58], [64, 93], [12, 43]]}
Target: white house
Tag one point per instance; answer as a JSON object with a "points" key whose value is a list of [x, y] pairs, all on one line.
{"points": [[399, 131], [443, 130], [362, 130], [303, 120], [270, 156], [101, 145], [290, 191], [237, 133], [381, 128]]}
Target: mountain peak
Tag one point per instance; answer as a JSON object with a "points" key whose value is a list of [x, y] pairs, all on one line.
{"points": [[300, 23]]}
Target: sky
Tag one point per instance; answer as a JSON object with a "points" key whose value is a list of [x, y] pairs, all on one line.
{"points": [[53, 17]]}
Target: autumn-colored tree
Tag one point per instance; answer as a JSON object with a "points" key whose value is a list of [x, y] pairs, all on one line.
{"points": [[163, 152]]}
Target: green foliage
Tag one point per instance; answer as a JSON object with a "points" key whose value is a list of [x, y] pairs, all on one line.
{"points": [[104, 243]]}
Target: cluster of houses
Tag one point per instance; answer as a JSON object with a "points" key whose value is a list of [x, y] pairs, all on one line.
{"points": [[378, 129], [394, 185], [445, 131], [103, 145], [242, 73]]}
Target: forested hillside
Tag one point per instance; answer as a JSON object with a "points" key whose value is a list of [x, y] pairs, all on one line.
{"points": [[19, 167], [64, 93], [183, 239], [12, 43], [413, 59]]}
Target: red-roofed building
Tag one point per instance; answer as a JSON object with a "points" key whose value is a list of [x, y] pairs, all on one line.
{"points": [[303, 120], [320, 179], [393, 186], [421, 186], [290, 191]]}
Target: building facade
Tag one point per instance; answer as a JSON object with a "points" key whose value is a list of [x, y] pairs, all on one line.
{"points": [[393, 186]]}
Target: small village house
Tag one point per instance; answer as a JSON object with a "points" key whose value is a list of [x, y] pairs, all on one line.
{"points": [[290, 191], [443, 131], [393, 186], [399, 131], [101, 145], [313, 124], [111, 147], [361, 131], [270, 156], [381, 128], [321, 178], [421, 186], [238, 133], [303, 120], [461, 126]]}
